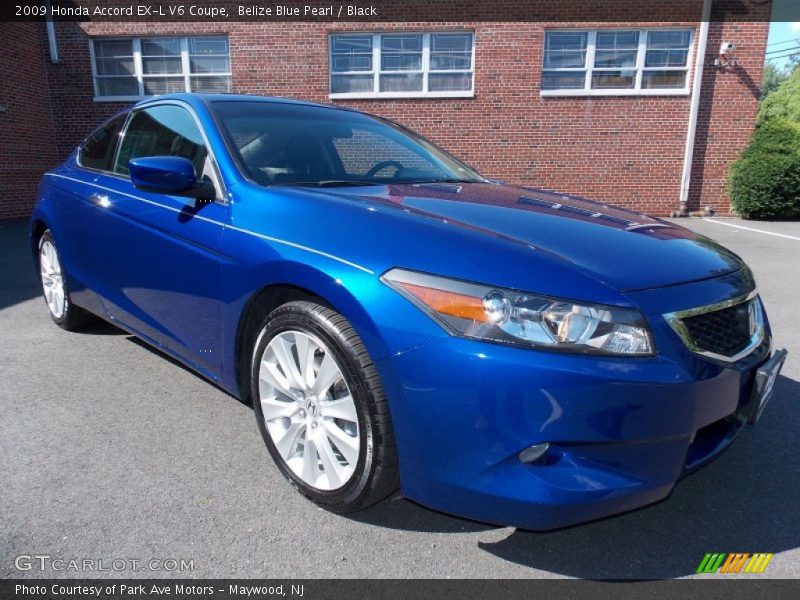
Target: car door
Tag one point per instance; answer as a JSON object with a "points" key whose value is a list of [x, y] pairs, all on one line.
{"points": [[157, 255]]}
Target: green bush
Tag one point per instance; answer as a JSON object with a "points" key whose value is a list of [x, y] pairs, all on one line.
{"points": [[765, 182]]}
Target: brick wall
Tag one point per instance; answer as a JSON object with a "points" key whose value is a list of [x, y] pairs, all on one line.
{"points": [[26, 127], [624, 150]]}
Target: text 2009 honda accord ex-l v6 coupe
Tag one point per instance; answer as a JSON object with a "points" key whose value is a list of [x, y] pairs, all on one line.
{"points": [[497, 352]]}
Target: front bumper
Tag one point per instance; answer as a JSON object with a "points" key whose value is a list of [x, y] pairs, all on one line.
{"points": [[621, 431]]}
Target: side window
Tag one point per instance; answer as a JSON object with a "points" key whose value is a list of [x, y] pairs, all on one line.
{"points": [[97, 151], [165, 130]]}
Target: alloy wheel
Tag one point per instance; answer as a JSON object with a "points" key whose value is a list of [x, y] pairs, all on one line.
{"points": [[308, 410], [52, 279]]}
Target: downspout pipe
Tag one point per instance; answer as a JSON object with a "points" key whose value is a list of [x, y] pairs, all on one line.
{"points": [[51, 35], [694, 110]]}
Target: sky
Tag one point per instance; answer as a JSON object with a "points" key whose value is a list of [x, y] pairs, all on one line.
{"points": [[784, 34]]}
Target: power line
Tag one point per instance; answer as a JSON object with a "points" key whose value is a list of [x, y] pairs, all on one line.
{"points": [[784, 50], [782, 42], [782, 57]]}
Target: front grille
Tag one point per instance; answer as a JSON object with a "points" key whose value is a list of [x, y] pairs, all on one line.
{"points": [[727, 331]]}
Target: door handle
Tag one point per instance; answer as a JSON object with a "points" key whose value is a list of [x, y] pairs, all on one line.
{"points": [[100, 200]]}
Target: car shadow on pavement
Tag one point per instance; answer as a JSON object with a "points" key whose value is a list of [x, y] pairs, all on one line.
{"points": [[18, 281], [746, 501]]}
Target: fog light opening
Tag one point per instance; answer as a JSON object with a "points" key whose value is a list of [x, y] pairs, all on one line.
{"points": [[534, 454]]}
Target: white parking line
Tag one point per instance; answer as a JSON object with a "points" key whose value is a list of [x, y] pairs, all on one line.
{"points": [[781, 235]]}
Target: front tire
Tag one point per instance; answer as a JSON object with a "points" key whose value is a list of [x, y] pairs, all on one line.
{"points": [[321, 408], [64, 313]]}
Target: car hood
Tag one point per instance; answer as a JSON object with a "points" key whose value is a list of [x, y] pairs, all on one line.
{"points": [[624, 249]]}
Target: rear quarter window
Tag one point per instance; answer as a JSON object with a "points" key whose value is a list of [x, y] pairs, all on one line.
{"points": [[97, 152]]}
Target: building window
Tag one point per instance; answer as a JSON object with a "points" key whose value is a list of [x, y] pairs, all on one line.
{"points": [[401, 65], [129, 68], [616, 62]]}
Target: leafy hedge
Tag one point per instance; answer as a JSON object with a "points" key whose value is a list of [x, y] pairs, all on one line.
{"points": [[765, 181]]}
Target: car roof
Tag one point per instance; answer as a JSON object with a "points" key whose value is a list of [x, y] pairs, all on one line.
{"points": [[194, 98]]}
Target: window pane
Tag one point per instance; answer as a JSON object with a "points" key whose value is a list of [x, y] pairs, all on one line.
{"points": [[564, 80], [615, 58], [351, 53], [113, 48], [401, 62], [162, 131], [613, 79], [566, 59], [115, 57], [117, 86], [208, 45], [401, 52], [665, 38], [401, 43], [451, 62], [451, 52], [98, 151], [566, 40], [352, 62], [352, 43], [164, 85], [565, 49], [617, 40], [451, 42], [449, 82], [348, 84], [210, 64], [211, 85], [161, 47], [411, 82], [161, 65], [664, 79], [666, 58], [115, 66]]}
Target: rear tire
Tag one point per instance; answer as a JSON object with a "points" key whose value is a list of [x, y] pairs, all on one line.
{"points": [[63, 311], [321, 408]]}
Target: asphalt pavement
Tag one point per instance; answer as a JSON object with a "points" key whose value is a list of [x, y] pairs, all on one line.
{"points": [[112, 451]]}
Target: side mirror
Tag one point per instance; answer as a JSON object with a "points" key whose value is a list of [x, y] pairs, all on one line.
{"points": [[172, 175]]}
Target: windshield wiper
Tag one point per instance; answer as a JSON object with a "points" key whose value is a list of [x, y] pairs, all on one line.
{"points": [[445, 181], [327, 183]]}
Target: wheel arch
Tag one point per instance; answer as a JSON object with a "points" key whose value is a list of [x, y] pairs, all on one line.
{"points": [[37, 229], [295, 281]]}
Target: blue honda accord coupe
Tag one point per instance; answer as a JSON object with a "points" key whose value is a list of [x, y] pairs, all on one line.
{"points": [[498, 352]]}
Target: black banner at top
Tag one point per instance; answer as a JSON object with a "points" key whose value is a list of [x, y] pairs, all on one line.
{"points": [[562, 11]]}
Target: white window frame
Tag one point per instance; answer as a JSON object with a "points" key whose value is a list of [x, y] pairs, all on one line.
{"points": [[137, 64], [637, 90], [376, 71]]}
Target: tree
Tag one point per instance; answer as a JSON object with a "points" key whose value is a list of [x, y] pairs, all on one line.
{"points": [[771, 79], [784, 102]]}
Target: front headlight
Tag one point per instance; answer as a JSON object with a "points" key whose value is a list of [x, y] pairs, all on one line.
{"points": [[502, 315]]}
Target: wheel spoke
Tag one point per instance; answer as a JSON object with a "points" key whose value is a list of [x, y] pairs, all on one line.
{"points": [[277, 409], [341, 408], [287, 443], [328, 374], [334, 470], [346, 444], [305, 357], [269, 374], [310, 470], [283, 354]]}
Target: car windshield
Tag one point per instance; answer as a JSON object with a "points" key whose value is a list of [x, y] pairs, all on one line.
{"points": [[302, 145]]}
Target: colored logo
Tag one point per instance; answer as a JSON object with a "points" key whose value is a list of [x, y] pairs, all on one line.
{"points": [[737, 562]]}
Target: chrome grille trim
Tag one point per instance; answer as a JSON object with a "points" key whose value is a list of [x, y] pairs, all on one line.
{"points": [[675, 320]]}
